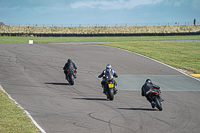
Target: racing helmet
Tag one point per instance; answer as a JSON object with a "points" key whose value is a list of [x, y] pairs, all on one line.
{"points": [[108, 68], [69, 60], [149, 81]]}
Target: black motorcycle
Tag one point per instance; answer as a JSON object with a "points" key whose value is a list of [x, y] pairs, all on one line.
{"points": [[70, 75], [110, 88], [155, 96]]}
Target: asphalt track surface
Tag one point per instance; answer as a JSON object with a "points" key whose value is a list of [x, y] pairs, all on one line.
{"points": [[32, 75]]}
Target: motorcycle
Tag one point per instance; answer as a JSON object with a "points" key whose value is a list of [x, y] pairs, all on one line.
{"points": [[70, 75], [110, 88], [155, 96]]}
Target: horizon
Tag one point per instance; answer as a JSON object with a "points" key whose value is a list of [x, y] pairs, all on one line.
{"points": [[84, 13]]}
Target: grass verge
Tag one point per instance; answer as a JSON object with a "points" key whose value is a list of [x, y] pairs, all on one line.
{"points": [[12, 118], [179, 54], [38, 40]]}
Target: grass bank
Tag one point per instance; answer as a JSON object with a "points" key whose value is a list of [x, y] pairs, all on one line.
{"points": [[179, 54], [12, 118], [38, 40]]}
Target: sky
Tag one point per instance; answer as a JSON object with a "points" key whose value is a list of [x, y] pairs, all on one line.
{"points": [[98, 12]]}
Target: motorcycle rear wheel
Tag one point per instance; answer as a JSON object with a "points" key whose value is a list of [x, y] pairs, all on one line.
{"points": [[71, 79], [110, 94]]}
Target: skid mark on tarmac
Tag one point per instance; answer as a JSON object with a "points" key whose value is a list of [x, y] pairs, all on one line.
{"points": [[166, 82]]}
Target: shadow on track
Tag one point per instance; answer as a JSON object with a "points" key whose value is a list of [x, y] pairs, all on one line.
{"points": [[97, 99], [58, 83], [144, 109]]}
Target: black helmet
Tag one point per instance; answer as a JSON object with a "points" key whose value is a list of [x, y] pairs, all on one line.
{"points": [[69, 60], [149, 81]]}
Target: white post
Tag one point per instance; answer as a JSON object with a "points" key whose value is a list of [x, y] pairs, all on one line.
{"points": [[30, 41]]}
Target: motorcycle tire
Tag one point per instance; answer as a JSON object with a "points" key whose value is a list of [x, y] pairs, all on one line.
{"points": [[71, 79], [111, 94], [158, 104]]}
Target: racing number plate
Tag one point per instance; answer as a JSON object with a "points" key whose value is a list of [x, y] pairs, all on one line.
{"points": [[110, 85]]}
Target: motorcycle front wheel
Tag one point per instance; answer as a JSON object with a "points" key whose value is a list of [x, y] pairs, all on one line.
{"points": [[158, 104]]}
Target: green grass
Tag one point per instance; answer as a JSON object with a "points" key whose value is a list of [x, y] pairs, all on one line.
{"points": [[38, 40], [12, 118], [183, 55]]}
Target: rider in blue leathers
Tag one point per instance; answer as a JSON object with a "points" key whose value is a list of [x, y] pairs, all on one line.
{"points": [[108, 73]]}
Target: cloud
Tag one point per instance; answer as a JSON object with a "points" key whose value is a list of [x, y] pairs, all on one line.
{"points": [[9, 9], [119, 4]]}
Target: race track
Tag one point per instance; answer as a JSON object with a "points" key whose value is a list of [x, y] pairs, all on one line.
{"points": [[32, 75]]}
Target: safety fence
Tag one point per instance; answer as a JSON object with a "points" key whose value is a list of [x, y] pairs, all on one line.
{"points": [[105, 25], [97, 35]]}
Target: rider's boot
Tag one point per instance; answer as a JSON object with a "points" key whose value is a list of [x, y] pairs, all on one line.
{"points": [[104, 89], [153, 104], [115, 91], [162, 99]]}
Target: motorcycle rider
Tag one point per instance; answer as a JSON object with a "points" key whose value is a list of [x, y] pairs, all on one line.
{"points": [[146, 90], [105, 74], [68, 65]]}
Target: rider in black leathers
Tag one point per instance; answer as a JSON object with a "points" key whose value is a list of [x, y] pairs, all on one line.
{"points": [[105, 74], [147, 88], [67, 65]]}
